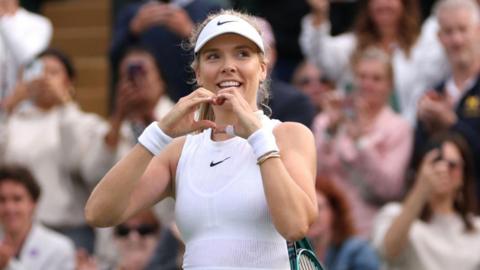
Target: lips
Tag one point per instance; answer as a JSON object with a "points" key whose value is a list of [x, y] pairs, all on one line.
{"points": [[228, 84]]}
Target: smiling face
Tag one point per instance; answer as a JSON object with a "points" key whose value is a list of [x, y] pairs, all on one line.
{"points": [[459, 35], [231, 61], [16, 207]]}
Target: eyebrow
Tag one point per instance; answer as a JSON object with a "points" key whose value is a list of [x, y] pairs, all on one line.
{"points": [[238, 47]]}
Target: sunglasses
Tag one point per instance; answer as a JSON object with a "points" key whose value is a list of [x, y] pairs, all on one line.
{"points": [[142, 230], [308, 80]]}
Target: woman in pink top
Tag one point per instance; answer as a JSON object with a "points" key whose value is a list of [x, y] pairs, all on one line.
{"points": [[361, 143]]}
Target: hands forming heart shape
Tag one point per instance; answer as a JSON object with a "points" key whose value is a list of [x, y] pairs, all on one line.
{"points": [[181, 119]]}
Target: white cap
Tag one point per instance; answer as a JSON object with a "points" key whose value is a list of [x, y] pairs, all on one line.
{"points": [[228, 24]]}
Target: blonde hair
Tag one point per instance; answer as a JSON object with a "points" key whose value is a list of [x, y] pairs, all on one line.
{"points": [[206, 112], [375, 54]]}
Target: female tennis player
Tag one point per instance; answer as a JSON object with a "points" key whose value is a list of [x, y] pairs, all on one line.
{"points": [[243, 183]]}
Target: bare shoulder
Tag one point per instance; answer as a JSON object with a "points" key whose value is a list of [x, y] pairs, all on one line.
{"points": [[293, 134], [297, 148]]}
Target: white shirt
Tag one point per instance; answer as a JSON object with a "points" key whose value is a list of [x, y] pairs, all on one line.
{"points": [[221, 209], [455, 94], [44, 249], [441, 244], [53, 145], [22, 36], [424, 68]]}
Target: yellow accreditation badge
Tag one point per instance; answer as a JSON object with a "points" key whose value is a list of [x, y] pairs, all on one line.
{"points": [[472, 106]]}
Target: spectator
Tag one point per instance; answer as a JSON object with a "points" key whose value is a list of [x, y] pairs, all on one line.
{"points": [[162, 28], [362, 144], [52, 138], [390, 25], [333, 233], [455, 104], [286, 102], [309, 79], [142, 96], [135, 240], [141, 99], [435, 227], [22, 36], [25, 244]]}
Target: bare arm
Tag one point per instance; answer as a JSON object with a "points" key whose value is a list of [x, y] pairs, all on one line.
{"points": [[289, 182], [431, 176], [135, 182], [120, 193]]}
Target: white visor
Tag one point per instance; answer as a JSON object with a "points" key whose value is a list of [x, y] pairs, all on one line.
{"points": [[228, 24]]}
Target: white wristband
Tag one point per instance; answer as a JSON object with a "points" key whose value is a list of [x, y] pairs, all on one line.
{"points": [[154, 139], [262, 141]]}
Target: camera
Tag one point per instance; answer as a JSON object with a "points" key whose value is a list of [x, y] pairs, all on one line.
{"points": [[135, 70]]}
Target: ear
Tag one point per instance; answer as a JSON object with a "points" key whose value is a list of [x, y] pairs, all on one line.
{"points": [[197, 77], [263, 70]]}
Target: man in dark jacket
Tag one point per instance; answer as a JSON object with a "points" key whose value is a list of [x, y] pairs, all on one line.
{"points": [[455, 105]]}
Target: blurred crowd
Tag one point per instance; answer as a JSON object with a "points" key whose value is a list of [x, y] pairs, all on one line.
{"points": [[389, 88]]}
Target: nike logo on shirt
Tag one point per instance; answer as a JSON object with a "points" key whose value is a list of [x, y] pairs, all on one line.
{"points": [[224, 22], [216, 163]]}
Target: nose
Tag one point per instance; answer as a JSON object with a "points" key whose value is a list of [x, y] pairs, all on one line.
{"points": [[228, 66]]}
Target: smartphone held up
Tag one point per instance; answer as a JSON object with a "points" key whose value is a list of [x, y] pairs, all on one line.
{"points": [[135, 71]]}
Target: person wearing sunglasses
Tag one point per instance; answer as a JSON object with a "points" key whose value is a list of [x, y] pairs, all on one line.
{"points": [[135, 240], [311, 81], [435, 227]]}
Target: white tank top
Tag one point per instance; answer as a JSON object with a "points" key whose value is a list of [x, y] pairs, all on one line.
{"points": [[221, 209]]}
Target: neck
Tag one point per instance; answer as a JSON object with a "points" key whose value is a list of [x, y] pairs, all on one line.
{"points": [[462, 72], [371, 110], [442, 205], [388, 36]]}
